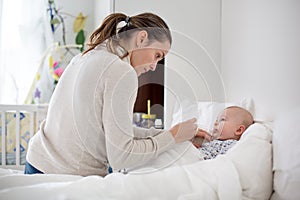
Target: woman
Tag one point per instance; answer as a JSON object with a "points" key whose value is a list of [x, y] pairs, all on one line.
{"points": [[89, 123]]}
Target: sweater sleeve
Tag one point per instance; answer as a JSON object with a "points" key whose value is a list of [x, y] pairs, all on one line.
{"points": [[143, 132], [124, 150]]}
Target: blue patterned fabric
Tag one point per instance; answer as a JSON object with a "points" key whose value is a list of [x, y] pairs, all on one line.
{"points": [[216, 147]]}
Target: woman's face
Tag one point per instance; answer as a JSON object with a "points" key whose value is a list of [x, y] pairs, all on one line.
{"points": [[145, 58]]}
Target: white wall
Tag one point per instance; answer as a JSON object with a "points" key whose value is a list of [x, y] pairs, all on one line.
{"points": [[101, 10], [192, 66], [261, 53], [260, 46]]}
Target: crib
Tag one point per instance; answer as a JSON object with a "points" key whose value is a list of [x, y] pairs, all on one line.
{"points": [[18, 123]]}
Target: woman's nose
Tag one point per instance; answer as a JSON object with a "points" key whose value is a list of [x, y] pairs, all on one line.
{"points": [[153, 66]]}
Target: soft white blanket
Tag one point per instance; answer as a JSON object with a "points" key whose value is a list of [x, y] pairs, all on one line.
{"points": [[225, 177], [195, 181]]}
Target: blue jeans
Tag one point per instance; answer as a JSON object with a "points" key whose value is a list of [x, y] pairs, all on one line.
{"points": [[29, 169]]}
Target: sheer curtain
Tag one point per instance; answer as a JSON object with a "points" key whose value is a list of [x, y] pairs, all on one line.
{"points": [[24, 36]]}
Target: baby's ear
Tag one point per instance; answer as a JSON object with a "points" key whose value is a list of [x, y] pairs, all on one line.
{"points": [[240, 130]]}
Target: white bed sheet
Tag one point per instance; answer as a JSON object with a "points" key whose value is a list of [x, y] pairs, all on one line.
{"points": [[194, 181]]}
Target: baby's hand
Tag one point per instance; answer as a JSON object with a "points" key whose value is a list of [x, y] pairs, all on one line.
{"points": [[197, 141], [201, 136], [204, 134]]}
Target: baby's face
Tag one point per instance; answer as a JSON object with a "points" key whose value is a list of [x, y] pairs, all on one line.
{"points": [[226, 125]]}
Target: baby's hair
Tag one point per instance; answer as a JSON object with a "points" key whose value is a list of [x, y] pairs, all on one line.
{"points": [[155, 26], [247, 119]]}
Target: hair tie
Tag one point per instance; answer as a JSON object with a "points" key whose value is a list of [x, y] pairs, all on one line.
{"points": [[127, 20]]}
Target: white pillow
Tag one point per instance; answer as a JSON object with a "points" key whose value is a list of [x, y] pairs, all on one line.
{"points": [[286, 153], [205, 112], [252, 157]]}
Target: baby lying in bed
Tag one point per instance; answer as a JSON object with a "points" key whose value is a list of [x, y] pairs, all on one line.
{"points": [[228, 129]]}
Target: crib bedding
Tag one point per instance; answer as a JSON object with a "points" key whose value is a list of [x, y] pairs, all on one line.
{"points": [[10, 132], [229, 176]]}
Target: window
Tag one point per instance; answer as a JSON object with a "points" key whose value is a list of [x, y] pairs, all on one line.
{"points": [[23, 40]]}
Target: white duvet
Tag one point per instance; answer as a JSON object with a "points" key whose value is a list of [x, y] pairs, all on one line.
{"points": [[245, 172]]}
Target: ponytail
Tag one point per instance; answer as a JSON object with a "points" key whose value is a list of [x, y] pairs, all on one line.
{"points": [[155, 26], [106, 30]]}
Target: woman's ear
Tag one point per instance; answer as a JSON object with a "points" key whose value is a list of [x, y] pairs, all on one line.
{"points": [[141, 39], [240, 130]]}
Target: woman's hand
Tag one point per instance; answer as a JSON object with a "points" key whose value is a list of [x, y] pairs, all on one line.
{"points": [[184, 131]]}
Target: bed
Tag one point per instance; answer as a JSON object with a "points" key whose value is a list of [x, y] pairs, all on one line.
{"points": [[257, 167]]}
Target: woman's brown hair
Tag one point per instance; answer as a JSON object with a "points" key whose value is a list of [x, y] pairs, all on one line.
{"points": [[155, 26]]}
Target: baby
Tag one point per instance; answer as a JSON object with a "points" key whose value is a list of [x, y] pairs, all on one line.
{"points": [[228, 129]]}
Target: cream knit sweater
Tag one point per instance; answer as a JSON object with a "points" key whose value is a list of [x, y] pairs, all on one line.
{"points": [[89, 121]]}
